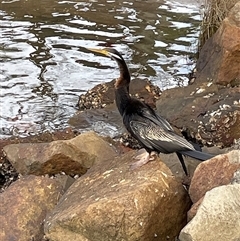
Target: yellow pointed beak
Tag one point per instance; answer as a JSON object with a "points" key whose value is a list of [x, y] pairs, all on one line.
{"points": [[101, 51]]}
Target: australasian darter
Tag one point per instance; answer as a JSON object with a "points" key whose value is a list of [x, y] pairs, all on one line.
{"points": [[151, 130]]}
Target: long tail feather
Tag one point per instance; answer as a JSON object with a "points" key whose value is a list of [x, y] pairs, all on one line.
{"points": [[180, 157], [202, 156]]}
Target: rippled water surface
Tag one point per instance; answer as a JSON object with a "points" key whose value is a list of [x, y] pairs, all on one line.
{"points": [[45, 67]]}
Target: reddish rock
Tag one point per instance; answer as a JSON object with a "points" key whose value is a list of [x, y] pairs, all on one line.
{"points": [[73, 156], [219, 58], [192, 212], [111, 202], [212, 173], [24, 206]]}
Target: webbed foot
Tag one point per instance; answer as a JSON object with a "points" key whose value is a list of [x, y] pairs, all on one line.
{"points": [[143, 158]]}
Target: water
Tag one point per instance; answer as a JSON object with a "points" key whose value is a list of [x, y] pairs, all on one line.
{"points": [[45, 67]]}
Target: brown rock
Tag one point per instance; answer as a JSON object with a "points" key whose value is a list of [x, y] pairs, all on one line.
{"points": [[45, 136], [212, 173], [111, 202], [95, 145], [207, 111], [219, 57], [104, 94], [24, 206], [73, 156], [45, 158], [210, 112]]}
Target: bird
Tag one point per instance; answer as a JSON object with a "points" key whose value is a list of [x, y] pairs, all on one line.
{"points": [[153, 132]]}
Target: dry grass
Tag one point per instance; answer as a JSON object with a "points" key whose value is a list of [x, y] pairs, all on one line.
{"points": [[214, 13]]}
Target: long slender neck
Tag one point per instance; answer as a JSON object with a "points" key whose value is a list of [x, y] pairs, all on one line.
{"points": [[122, 98], [124, 79]]}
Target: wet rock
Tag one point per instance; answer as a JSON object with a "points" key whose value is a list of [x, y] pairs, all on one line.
{"points": [[212, 173], [98, 111], [98, 97], [206, 112], [104, 94], [72, 157], [105, 121], [111, 202], [24, 206], [217, 218], [219, 57]]}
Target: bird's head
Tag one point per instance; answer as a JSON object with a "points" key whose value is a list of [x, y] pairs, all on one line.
{"points": [[110, 52], [124, 78]]}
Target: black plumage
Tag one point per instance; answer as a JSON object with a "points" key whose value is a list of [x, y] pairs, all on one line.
{"points": [[152, 131]]}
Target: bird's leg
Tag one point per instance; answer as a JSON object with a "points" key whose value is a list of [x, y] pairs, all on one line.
{"points": [[143, 158]]}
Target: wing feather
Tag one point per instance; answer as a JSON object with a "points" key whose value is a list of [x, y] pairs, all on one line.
{"points": [[151, 130], [155, 118], [156, 137]]}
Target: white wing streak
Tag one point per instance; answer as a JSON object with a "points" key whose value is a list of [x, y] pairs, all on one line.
{"points": [[159, 136]]}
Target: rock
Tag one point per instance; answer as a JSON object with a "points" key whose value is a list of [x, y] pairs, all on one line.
{"points": [[105, 121], [104, 94], [218, 217], [204, 111], [45, 136], [209, 109], [95, 145], [173, 163], [8, 173], [111, 202], [24, 206], [99, 112], [236, 177], [235, 146], [219, 57], [212, 173], [192, 212], [72, 157]]}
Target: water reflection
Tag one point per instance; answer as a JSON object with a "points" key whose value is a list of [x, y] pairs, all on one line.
{"points": [[45, 66]]}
